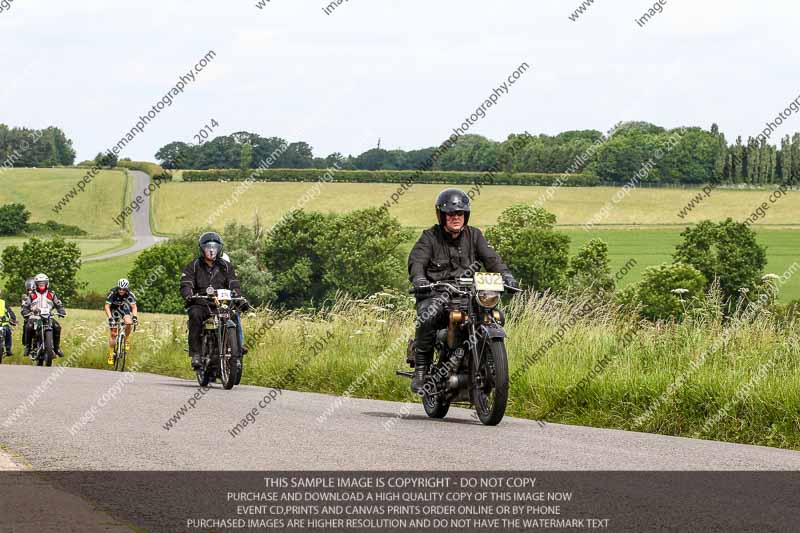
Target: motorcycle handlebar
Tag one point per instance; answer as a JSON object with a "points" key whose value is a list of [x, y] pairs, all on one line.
{"points": [[428, 288]]}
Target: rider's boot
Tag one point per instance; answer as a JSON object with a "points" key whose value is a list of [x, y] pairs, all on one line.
{"points": [[244, 350], [197, 361], [110, 355], [421, 362]]}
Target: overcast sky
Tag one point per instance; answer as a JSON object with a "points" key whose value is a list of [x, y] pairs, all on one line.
{"points": [[405, 71]]}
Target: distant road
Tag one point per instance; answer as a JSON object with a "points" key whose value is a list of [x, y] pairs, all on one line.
{"points": [[142, 232], [287, 435]]}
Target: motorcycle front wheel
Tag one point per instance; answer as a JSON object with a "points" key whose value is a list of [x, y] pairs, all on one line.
{"points": [[490, 397], [49, 353], [229, 369]]}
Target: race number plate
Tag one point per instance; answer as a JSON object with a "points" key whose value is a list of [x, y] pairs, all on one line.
{"points": [[488, 281], [223, 294]]}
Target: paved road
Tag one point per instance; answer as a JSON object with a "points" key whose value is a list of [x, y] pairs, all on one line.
{"points": [[128, 433], [142, 233]]}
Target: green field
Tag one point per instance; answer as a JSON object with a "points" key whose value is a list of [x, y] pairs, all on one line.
{"points": [[100, 276], [89, 247], [179, 206], [92, 210]]}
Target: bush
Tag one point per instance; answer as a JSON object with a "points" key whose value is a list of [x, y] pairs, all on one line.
{"points": [[391, 176], [535, 253], [13, 219], [151, 169], [590, 269], [666, 291], [156, 275], [51, 227], [58, 259], [88, 300], [313, 255], [726, 251]]}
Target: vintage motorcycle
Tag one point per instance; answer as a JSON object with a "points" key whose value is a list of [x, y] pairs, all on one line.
{"points": [[42, 351], [221, 355], [471, 366]]}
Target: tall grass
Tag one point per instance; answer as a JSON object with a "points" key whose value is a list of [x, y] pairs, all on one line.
{"points": [[640, 360]]}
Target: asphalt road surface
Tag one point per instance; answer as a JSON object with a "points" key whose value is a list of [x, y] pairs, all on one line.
{"points": [[128, 432], [142, 233]]}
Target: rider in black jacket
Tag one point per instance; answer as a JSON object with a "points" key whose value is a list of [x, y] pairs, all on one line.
{"points": [[448, 250], [208, 270]]}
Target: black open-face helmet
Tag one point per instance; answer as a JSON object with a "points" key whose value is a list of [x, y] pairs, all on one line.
{"points": [[450, 201], [30, 285], [210, 240]]}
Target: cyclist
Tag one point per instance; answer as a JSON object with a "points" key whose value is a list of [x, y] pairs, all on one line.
{"points": [[43, 299], [7, 319], [120, 303]]}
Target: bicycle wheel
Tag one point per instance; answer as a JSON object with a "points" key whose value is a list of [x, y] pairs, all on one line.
{"points": [[120, 354]]}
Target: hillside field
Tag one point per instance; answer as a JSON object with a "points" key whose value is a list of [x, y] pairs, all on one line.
{"points": [[39, 189], [179, 206]]}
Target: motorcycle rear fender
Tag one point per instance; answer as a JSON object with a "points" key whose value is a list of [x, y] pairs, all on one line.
{"points": [[493, 331]]}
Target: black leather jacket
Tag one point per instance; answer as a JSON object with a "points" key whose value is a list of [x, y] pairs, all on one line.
{"points": [[437, 256], [197, 276]]}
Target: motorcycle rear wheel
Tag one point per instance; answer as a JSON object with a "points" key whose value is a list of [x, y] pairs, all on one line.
{"points": [[490, 405], [435, 406], [204, 373]]}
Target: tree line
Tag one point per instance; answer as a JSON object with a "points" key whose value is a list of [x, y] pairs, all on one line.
{"points": [[701, 156], [25, 147]]}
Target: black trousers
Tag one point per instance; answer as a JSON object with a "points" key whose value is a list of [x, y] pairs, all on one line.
{"points": [[28, 333], [431, 316], [197, 315]]}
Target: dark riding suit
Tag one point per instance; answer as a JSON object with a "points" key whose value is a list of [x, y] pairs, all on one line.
{"points": [[437, 256], [196, 277]]}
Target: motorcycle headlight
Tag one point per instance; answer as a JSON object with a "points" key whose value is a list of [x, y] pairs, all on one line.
{"points": [[488, 299]]}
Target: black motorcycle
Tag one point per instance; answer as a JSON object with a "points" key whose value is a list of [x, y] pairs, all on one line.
{"points": [[5, 329], [42, 350], [472, 364], [221, 354]]}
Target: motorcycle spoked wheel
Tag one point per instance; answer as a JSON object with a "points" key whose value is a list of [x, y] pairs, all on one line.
{"points": [[229, 369], [491, 397]]}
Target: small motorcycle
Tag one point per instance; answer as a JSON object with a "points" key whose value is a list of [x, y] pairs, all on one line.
{"points": [[471, 366], [221, 353], [42, 351]]}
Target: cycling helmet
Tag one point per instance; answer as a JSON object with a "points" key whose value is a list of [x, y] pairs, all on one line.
{"points": [[123, 284], [450, 201]]}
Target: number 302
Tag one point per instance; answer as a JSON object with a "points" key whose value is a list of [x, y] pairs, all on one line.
{"points": [[203, 134]]}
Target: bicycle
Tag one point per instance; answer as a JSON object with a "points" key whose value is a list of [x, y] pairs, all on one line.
{"points": [[120, 350]]}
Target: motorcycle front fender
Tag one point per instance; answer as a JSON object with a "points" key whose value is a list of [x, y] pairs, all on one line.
{"points": [[493, 331]]}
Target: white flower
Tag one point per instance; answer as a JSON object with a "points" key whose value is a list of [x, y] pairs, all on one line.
{"points": [[680, 291]]}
